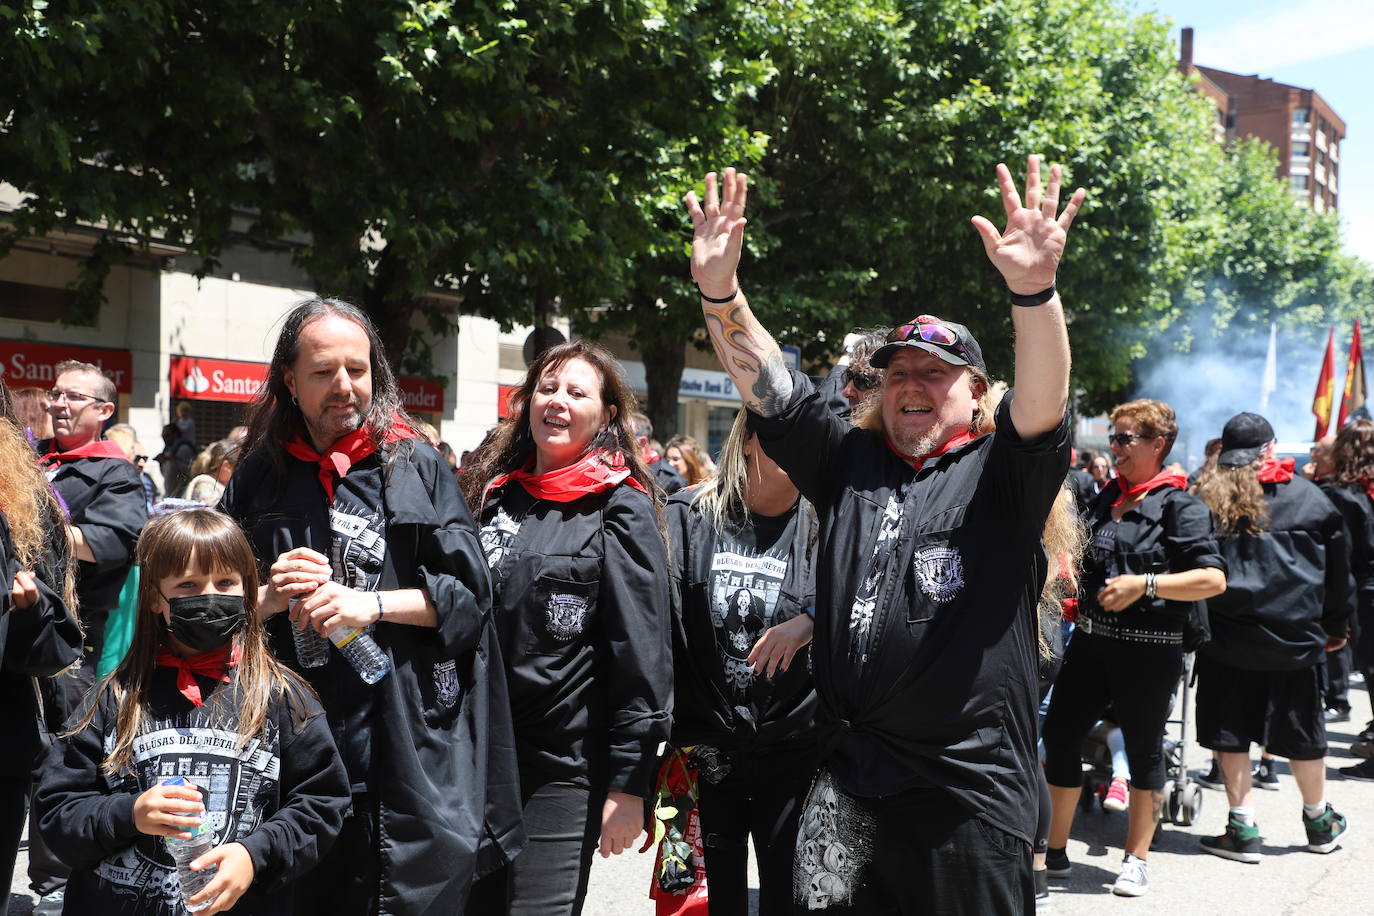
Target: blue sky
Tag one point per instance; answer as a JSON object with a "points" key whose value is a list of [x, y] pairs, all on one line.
{"points": [[1326, 45]]}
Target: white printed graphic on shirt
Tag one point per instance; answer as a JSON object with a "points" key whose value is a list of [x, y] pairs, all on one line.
{"points": [[236, 785], [940, 570], [496, 535], [360, 535], [446, 684], [567, 614], [866, 598], [834, 843], [744, 595]]}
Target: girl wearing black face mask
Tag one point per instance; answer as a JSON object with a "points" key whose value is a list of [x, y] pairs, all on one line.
{"points": [[197, 696]]}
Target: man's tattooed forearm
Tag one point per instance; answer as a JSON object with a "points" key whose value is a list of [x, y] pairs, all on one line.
{"points": [[734, 345], [774, 386]]}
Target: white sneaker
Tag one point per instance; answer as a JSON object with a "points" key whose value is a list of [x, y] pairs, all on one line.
{"points": [[1134, 878]]}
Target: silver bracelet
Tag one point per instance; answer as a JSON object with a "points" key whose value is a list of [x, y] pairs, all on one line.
{"points": [[1151, 585], [380, 609]]}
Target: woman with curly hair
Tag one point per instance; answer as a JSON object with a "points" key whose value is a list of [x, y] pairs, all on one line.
{"points": [[688, 458], [43, 635], [1151, 555]]}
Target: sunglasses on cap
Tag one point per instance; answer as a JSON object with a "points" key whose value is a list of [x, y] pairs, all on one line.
{"points": [[864, 381], [928, 329]]}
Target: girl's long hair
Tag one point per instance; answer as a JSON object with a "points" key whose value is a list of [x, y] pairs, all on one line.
{"points": [[1236, 497], [1353, 454], [206, 540], [510, 446], [1065, 538], [36, 517]]}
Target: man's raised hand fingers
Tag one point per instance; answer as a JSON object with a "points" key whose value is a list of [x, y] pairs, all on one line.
{"points": [[1050, 206], [1011, 201], [741, 191], [988, 232], [712, 206], [1032, 182], [1066, 218], [694, 209], [727, 190]]}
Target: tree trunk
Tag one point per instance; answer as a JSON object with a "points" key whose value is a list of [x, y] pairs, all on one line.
{"points": [[391, 308], [664, 355]]}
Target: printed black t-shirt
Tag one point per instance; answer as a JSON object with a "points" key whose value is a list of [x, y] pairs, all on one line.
{"points": [[748, 571]]}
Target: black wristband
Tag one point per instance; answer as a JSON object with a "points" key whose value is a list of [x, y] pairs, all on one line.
{"points": [[1034, 299], [729, 298]]}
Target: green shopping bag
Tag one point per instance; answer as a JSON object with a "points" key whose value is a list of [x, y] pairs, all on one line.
{"points": [[119, 626]]}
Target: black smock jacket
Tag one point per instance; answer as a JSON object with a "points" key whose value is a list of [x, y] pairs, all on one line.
{"points": [[1169, 531], [106, 501], [439, 760], [782, 710], [282, 795], [1286, 589], [582, 609], [946, 697], [1357, 509]]}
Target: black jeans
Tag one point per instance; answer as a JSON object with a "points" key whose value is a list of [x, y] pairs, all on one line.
{"points": [[348, 878], [549, 878], [762, 797], [1138, 679], [928, 855]]}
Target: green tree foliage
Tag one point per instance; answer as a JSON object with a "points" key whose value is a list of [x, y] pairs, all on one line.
{"points": [[529, 156]]}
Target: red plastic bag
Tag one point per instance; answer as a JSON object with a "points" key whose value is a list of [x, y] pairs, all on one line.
{"points": [[677, 826]]}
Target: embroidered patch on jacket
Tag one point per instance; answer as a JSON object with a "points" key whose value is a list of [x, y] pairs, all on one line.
{"points": [[940, 571], [567, 614], [446, 685]]}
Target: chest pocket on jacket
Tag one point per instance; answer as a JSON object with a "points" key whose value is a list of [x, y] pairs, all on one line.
{"points": [[564, 603]]}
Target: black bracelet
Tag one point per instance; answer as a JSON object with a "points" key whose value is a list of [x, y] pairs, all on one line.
{"points": [[729, 298], [1034, 299]]}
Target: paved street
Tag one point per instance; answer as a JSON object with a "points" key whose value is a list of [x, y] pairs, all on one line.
{"points": [[1184, 880]]}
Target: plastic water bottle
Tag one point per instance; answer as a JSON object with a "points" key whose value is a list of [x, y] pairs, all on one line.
{"points": [[363, 653], [184, 852], [312, 649]]}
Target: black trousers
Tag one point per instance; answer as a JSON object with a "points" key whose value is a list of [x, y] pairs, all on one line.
{"points": [[761, 798], [549, 878], [347, 880], [1338, 667], [931, 857]]}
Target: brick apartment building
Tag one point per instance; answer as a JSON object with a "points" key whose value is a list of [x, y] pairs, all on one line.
{"points": [[1303, 130]]}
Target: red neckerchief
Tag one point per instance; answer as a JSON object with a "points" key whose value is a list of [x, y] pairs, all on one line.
{"points": [[1280, 471], [213, 664], [342, 455], [100, 448], [962, 438], [597, 471], [1162, 479], [650, 455]]}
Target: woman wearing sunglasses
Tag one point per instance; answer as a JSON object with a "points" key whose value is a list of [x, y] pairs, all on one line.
{"points": [[1152, 553]]}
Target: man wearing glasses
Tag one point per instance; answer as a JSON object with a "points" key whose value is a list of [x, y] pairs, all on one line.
{"points": [[930, 571], [101, 488]]}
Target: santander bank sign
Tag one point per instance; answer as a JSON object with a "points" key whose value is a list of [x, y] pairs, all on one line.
{"points": [[199, 379]]}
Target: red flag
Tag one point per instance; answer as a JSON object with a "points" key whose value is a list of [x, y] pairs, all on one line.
{"points": [[1325, 398], [1353, 398]]}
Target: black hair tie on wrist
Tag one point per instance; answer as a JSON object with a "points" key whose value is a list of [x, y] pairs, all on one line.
{"points": [[729, 298], [1034, 299]]}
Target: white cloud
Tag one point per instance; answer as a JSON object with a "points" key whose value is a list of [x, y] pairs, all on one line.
{"points": [[1299, 32]]}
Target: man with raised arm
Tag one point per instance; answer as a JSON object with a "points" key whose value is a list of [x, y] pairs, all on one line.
{"points": [[930, 571]]}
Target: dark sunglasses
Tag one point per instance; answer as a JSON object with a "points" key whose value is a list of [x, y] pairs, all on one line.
{"points": [[925, 327], [864, 381], [1121, 440]]}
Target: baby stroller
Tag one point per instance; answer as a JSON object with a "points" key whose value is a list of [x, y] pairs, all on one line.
{"points": [[1182, 794]]}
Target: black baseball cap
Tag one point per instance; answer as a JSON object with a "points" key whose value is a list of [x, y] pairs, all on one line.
{"points": [[1243, 438], [948, 340]]}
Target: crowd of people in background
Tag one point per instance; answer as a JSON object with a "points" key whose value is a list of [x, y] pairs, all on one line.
{"points": [[387, 683]]}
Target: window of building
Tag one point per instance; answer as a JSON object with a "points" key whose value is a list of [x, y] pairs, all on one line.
{"points": [[26, 302], [718, 423], [1301, 149], [1301, 118], [1299, 182]]}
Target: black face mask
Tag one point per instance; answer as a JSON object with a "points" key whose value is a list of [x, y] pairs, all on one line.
{"points": [[205, 622]]}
